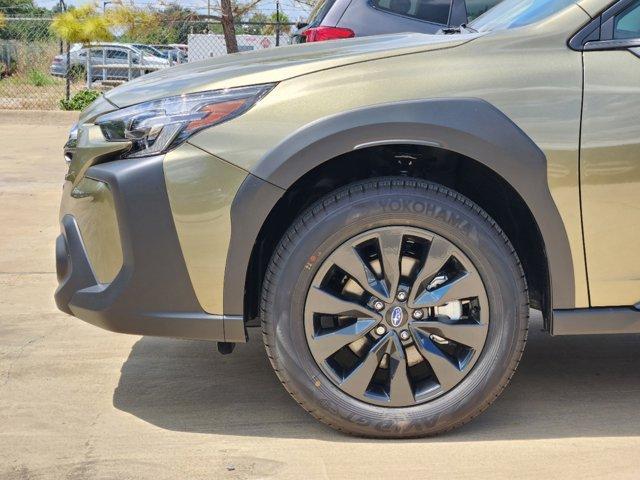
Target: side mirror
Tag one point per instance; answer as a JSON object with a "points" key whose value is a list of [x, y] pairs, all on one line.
{"points": [[300, 25]]}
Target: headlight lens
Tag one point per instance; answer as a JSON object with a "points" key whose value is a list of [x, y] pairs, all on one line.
{"points": [[157, 126]]}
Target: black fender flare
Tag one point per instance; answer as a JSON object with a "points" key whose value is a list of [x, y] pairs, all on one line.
{"points": [[468, 126]]}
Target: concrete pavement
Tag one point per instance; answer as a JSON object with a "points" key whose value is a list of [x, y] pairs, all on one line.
{"points": [[77, 402]]}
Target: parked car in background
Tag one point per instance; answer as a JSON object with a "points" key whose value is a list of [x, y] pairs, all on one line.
{"points": [[332, 19], [115, 55], [8, 58], [172, 53]]}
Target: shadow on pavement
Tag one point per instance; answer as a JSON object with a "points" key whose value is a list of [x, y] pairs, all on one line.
{"points": [[565, 387]]}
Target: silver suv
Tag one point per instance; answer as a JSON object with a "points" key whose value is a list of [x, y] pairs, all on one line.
{"points": [[333, 19]]}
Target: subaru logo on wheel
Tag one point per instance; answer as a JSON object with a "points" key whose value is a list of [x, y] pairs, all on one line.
{"points": [[397, 316]]}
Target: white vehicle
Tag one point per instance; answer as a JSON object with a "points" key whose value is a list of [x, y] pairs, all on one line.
{"points": [[108, 61]]}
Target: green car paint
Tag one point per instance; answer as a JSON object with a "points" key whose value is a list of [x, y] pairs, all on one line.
{"points": [[529, 74]]}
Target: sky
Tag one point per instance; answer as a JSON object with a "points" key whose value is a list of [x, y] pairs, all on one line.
{"points": [[294, 10]]}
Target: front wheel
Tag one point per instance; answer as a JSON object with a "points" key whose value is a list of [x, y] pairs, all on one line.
{"points": [[394, 308]]}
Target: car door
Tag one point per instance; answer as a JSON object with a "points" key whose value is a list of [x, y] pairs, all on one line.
{"points": [[610, 157]]}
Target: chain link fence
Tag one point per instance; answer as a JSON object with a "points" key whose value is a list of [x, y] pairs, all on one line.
{"points": [[38, 70]]}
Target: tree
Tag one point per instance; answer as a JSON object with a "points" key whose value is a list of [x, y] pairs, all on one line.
{"points": [[257, 18], [21, 29], [136, 26], [229, 11], [82, 25], [3, 20], [25, 8], [274, 18], [228, 26]]}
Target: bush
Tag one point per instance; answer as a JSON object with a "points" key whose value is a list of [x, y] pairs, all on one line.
{"points": [[80, 100], [38, 78]]}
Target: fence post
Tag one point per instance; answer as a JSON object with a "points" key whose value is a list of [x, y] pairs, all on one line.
{"points": [[67, 91], [130, 65], [89, 72], [104, 64], [277, 23], [67, 49]]}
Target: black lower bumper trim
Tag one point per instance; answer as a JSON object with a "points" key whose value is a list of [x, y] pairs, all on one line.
{"points": [[152, 294]]}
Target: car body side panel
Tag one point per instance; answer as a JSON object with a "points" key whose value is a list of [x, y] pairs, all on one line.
{"points": [[470, 127], [541, 94], [201, 189], [611, 176], [592, 7]]}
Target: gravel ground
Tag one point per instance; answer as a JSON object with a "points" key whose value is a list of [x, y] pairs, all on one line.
{"points": [[77, 402]]}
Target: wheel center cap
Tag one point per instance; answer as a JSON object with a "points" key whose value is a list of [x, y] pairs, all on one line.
{"points": [[396, 316]]}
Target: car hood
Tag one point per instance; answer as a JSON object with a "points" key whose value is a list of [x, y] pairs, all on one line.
{"points": [[275, 64]]}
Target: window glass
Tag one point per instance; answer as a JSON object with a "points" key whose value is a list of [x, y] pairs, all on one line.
{"points": [[116, 54], [320, 9], [435, 11], [627, 23], [518, 13], [475, 8]]}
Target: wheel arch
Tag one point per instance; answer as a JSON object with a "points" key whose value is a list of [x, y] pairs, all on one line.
{"points": [[468, 134]]}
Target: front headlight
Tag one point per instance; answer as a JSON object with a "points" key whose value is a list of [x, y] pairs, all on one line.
{"points": [[157, 126]]}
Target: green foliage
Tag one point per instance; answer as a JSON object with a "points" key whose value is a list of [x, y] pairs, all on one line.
{"points": [[271, 29], [82, 25], [38, 78], [23, 8], [267, 29], [29, 30], [80, 100], [257, 17]]}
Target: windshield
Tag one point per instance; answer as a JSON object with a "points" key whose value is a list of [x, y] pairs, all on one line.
{"points": [[517, 13], [151, 50]]}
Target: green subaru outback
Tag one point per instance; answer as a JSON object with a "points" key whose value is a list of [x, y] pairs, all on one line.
{"points": [[387, 209]]}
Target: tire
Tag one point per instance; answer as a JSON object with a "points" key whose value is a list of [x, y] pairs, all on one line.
{"points": [[380, 207]]}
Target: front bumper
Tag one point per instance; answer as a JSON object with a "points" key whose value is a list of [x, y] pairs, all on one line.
{"points": [[151, 293]]}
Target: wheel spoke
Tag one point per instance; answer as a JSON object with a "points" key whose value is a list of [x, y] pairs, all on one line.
{"points": [[438, 254], [319, 301], [468, 285], [471, 335], [347, 259], [390, 242], [326, 344], [358, 380], [447, 373], [400, 390]]}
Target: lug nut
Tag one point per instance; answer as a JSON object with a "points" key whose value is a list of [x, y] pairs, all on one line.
{"points": [[381, 330], [378, 305], [401, 296], [404, 335], [418, 314]]}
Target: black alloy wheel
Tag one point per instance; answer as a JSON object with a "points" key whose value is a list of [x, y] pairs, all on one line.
{"points": [[396, 316]]}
